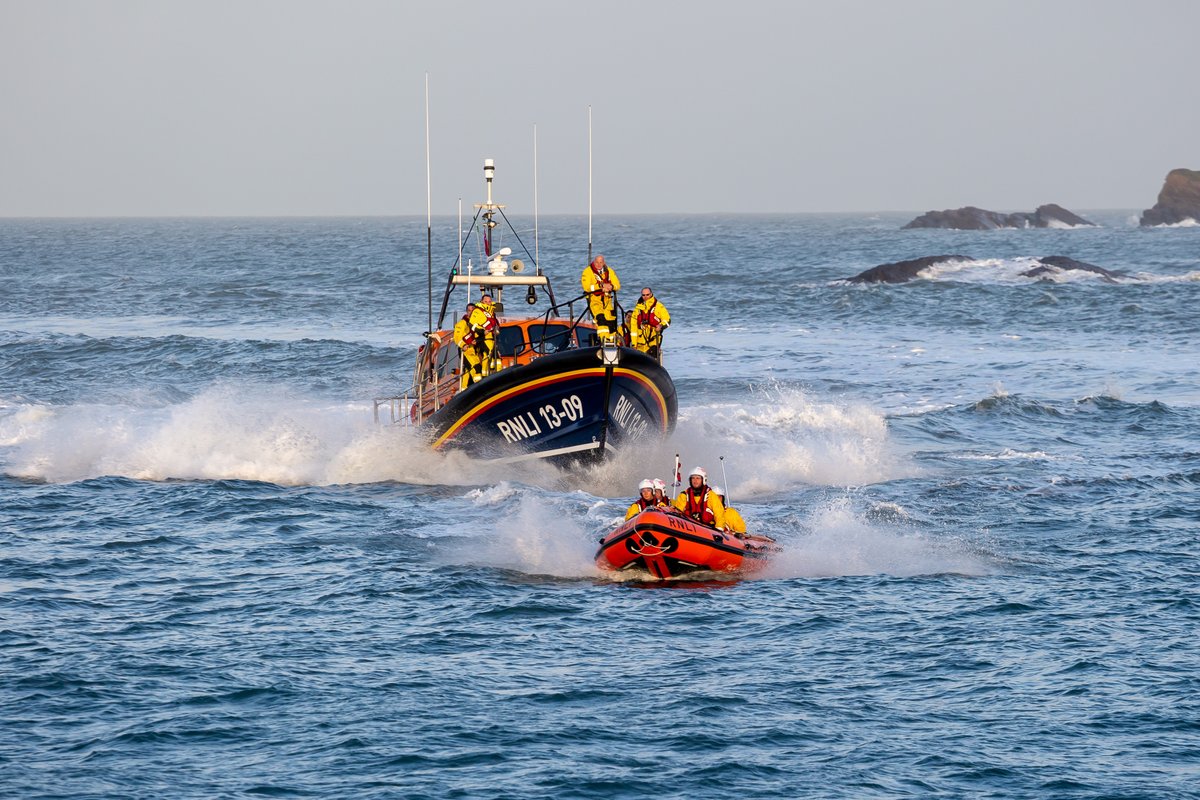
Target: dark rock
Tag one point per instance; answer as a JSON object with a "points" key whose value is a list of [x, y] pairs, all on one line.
{"points": [[1046, 216], [1052, 264], [903, 271], [971, 218], [1178, 201]]}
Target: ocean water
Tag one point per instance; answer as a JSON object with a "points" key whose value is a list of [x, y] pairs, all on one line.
{"points": [[220, 578]]}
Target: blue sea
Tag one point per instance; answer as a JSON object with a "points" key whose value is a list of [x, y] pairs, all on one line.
{"points": [[220, 578]]}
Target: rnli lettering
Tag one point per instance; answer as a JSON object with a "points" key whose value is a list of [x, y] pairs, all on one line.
{"points": [[627, 416], [677, 523], [522, 426]]}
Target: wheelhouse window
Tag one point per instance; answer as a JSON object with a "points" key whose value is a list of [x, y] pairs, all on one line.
{"points": [[510, 340], [447, 358], [551, 338]]}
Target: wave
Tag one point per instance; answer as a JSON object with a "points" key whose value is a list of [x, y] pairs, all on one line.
{"points": [[227, 433], [555, 535], [779, 439], [1187, 222], [1009, 271], [841, 541]]}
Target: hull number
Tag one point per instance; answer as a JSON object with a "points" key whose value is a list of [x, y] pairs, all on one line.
{"points": [[527, 425]]}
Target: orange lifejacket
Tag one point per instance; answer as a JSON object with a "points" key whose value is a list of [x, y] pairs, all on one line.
{"points": [[697, 508]]}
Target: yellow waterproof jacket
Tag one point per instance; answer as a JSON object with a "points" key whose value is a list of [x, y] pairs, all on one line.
{"points": [[734, 521], [590, 280], [647, 315], [637, 508], [483, 318], [461, 329], [692, 504]]}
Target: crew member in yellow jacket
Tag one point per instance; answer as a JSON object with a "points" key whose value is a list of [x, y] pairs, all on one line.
{"points": [[650, 319], [733, 518], [468, 342], [645, 499], [601, 285], [700, 502], [484, 323]]}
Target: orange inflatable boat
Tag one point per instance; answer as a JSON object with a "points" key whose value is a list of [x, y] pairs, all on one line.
{"points": [[667, 544]]}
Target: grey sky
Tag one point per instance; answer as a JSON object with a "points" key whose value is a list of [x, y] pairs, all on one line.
{"points": [[265, 107]]}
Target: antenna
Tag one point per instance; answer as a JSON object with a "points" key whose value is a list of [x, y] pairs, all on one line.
{"points": [[589, 184], [428, 208], [536, 261], [724, 480]]}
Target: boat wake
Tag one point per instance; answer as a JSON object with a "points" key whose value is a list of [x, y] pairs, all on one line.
{"points": [[778, 440], [841, 541], [556, 536], [252, 433]]}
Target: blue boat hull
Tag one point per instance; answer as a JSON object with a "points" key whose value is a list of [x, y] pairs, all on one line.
{"points": [[563, 406]]}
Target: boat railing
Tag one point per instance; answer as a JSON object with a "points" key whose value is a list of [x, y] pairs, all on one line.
{"points": [[554, 310], [399, 408]]}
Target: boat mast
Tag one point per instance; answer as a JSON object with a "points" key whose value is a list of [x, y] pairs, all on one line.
{"points": [[589, 260], [537, 264], [428, 209], [489, 172]]}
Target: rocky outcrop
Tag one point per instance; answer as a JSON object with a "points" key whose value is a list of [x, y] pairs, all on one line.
{"points": [[1179, 200], [971, 218], [903, 271], [1050, 265]]}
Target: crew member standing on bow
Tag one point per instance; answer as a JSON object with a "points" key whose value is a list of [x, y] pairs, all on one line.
{"points": [[650, 319], [468, 343], [601, 285], [700, 502], [645, 499], [484, 323]]}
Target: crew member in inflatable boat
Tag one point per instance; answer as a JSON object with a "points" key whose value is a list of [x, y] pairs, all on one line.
{"points": [[700, 502], [733, 518], [660, 494], [601, 285], [650, 319], [468, 342], [645, 499]]}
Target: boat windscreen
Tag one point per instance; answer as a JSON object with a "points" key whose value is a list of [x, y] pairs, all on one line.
{"points": [[550, 338], [447, 358], [510, 340]]}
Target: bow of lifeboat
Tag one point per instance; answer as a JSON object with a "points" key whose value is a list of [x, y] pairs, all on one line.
{"points": [[667, 545]]}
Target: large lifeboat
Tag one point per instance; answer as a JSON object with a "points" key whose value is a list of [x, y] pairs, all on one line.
{"points": [[667, 544], [553, 389]]}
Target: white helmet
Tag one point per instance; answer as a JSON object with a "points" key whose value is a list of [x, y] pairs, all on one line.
{"points": [[699, 471], [646, 484], [717, 490], [660, 484]]}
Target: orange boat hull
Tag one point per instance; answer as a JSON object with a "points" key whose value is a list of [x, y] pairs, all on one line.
{"points": [[668, 545]]}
